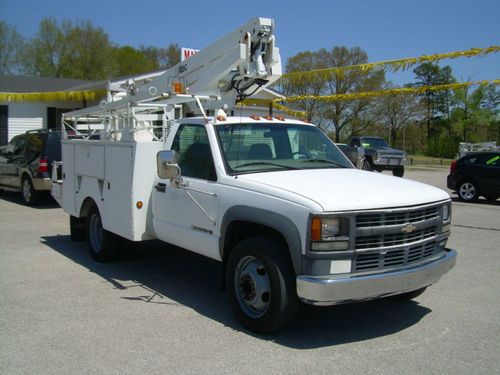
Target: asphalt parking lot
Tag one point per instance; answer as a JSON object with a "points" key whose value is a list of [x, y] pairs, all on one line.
{"points": [[160, 310]]}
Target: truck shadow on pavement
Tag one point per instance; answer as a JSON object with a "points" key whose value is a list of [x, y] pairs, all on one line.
{"points": [[162, 274]]}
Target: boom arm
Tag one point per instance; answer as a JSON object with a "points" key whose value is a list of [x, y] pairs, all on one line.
{"points": [[234, 67]]}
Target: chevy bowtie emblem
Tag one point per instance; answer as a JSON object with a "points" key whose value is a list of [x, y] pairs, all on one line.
{"points": [[408, 228]]}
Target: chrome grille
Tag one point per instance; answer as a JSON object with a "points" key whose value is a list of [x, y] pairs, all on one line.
{"points": [[394, 239], [399, 257], [396, 218]]}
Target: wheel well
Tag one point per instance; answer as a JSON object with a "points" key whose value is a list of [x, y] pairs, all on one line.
{"points": [[87, 205], [25, 175], [466, 179], [239, 230]]}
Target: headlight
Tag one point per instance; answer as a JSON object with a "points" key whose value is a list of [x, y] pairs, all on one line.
{"points": [[329, 234]]}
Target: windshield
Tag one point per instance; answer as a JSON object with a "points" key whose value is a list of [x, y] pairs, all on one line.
{"points": [[264, 147], [374, 142]]}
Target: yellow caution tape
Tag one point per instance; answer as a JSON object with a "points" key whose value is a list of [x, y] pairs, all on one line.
{"points": [[266, 102], [52, 96], [398, 91], [390, 65]]}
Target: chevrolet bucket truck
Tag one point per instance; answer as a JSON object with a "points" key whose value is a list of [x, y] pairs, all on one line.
{"points": [[273, 199]]}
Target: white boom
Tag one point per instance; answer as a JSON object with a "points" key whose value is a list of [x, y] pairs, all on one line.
{"points": [[234, 67]]}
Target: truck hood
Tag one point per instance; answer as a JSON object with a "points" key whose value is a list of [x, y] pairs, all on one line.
{"points": [[346, 189]]}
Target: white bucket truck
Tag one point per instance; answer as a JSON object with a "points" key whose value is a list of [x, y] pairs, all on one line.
{"points": [[274, 200]]}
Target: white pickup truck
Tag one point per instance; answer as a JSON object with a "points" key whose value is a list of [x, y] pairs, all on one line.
{"points": [[274, 200]]}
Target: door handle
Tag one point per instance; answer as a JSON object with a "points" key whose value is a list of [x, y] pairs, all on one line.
{"points": [[161, 187]]}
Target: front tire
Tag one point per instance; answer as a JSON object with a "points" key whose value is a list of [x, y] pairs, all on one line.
{"points": [[468, 191], [366, 165], [398, 172], [261, 284], [103, 245]]}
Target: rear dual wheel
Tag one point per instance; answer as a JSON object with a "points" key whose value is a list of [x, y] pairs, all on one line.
{"points": [[104, 246]]}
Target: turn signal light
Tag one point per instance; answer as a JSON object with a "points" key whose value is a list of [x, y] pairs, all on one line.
{"points": [[177, 88], [316, 229]]}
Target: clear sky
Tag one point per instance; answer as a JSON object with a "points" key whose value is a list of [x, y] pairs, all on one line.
{"points": [[385, 29]]}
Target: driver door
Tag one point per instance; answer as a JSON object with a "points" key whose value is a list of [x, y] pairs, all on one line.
{"points": [[187, 216]]}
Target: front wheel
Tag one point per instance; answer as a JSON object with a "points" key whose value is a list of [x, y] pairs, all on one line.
{"points": [[366, 165], [261, 284], [103, 245], [398, 172]]}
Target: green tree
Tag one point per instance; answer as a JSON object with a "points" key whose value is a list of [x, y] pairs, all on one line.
{"points": [[338, 115], [163, 58], [396, 112], [91, 53], [11, 49], [298, 86], [344, 113], [69, 50], [49, 50], [130, 61], [476, 112], [437, 103]]}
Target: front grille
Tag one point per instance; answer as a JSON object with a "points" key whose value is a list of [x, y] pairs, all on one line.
{"points": [[399, 257], [395, 218], [394, 239]]}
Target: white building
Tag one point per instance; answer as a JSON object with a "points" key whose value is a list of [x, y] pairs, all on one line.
{"points": [[28, 103]]}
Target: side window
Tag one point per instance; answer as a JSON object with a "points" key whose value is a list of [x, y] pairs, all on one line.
{"points": [[20, 145], [34, 146], [355, 142], [195, 155], [471, 160]]}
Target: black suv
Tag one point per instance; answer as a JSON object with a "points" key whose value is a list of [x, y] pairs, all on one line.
{"points": [[476, 174], [26, 163]]}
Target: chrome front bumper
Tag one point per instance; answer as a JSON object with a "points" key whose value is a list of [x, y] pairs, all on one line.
{"points": [[331, 291]]}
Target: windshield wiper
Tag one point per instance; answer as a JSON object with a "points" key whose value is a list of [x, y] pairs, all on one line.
{"points": [[264, 163], [324, 161]]}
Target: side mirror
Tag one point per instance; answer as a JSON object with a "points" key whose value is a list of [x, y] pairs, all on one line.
{"points": [[166, 163]]}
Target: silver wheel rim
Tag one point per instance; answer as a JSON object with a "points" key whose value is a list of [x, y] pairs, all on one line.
{"points": [[365, 166], [26, 191], [95, 233], [467, 191], [252, 286]]}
